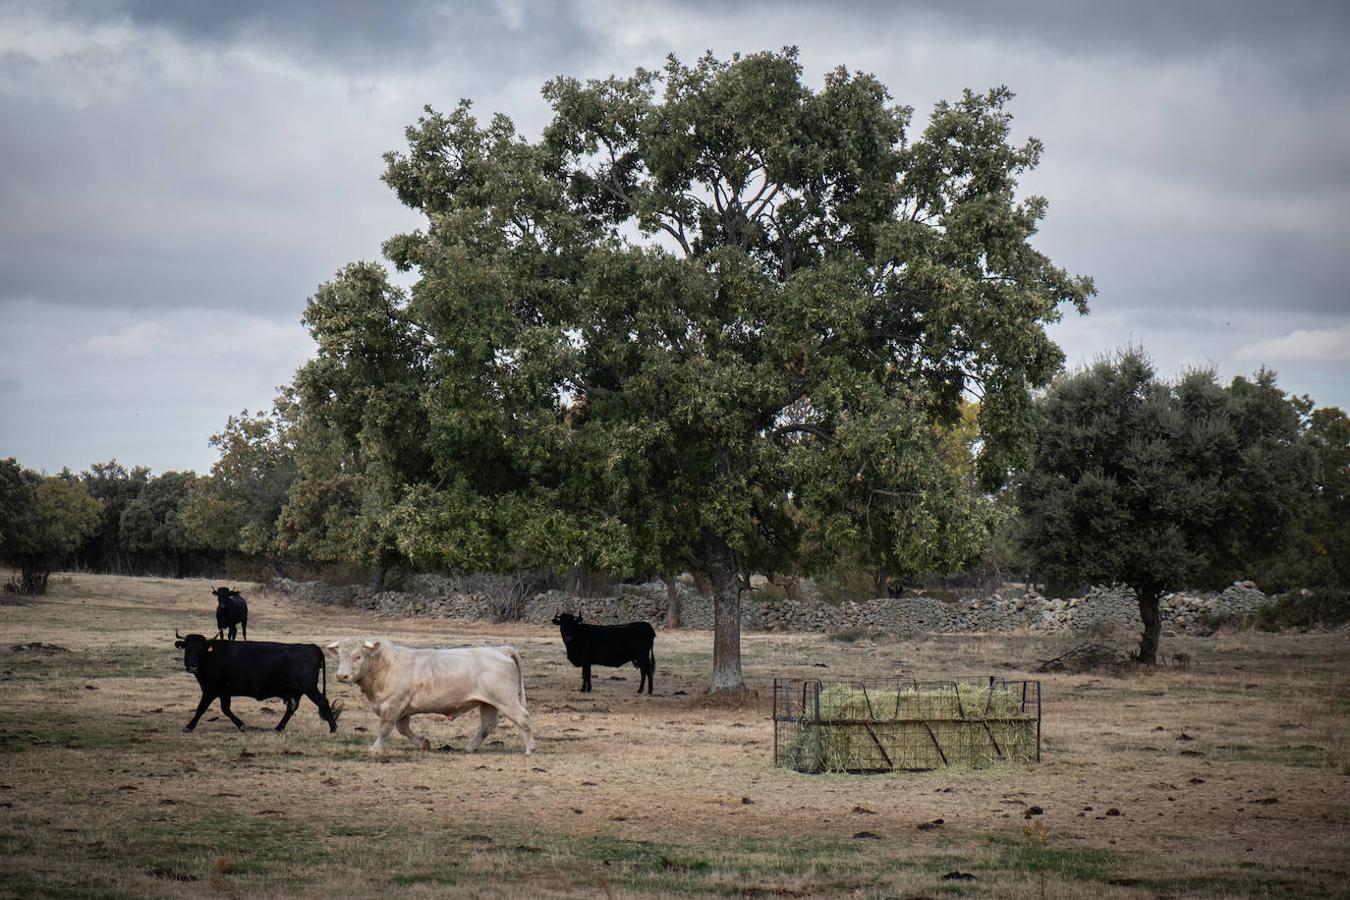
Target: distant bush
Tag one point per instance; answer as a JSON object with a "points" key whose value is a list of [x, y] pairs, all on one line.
{"points": [[853, 634], [1321, 608]]}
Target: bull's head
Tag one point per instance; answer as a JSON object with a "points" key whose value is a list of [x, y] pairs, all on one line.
{"points": [[352, 665], [567, 619], [194, 647]]}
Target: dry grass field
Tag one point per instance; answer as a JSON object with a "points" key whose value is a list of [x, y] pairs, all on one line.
{"points": [[1228, 779]]}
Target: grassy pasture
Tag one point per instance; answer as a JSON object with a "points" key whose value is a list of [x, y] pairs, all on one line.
{"points": [[1229, 779]]}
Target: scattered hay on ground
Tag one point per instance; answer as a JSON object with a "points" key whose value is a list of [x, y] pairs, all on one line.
{"points": [[1090, 657]]}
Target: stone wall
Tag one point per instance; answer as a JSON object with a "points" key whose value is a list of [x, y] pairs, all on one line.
{"points": [[1014, 607]]}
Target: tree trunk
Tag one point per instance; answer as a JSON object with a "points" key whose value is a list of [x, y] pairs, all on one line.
{"points": [[1148, 611], [672, 602], [375, 583], [33, 578], [883, 581], [723, 569]]}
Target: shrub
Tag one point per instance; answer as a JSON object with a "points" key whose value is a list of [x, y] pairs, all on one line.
{"points": [[1320, 608]]}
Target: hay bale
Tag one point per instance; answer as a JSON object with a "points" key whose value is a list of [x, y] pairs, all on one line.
{"points": [[862, 728]]}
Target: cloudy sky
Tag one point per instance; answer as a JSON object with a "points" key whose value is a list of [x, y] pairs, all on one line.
{"points": [[177, 177]]}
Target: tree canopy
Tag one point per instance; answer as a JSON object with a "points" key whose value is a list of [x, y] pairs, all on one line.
{"points": [[45, 519], [1158, 485], [236, 508], [709, 320], [152, 526]]}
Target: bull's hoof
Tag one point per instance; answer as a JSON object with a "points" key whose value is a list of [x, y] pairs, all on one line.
{"points": [[242, 729], [187, 729], [280, 728]]}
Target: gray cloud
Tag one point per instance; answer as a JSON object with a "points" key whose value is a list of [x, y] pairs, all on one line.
{"points": [[370, 36], [178, 177]]}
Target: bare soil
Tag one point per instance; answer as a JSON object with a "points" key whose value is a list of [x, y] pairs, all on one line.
{"points": [[1230, 778]]}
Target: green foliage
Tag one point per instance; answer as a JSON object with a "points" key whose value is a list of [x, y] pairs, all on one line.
{"points": [[152, 527], [1317, 551], [355, 422], [1320, 608], [115, 486], [1158, 485], [236, 508], [714, 319], [43, 520]]}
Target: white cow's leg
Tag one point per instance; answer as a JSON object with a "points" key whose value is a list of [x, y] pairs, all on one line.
{"points": [[385, 728], [520, 717], [405, 729], [487, 720]]}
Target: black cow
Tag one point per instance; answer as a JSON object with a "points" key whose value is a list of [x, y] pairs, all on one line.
{"points": [[608, 645], [231, 610], [258, 669]]}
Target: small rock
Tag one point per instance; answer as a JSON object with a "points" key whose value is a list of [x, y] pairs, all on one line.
{"points": [[867, 836], [1113, 811]]}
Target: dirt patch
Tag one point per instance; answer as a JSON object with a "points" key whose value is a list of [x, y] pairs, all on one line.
{"points": [[39, 648]]}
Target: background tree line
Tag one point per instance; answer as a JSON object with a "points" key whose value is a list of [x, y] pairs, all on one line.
{"points": [[718, 321], [1159, 485]]}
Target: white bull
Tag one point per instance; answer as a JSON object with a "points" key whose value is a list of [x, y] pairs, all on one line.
{"points": [[401, 682]]}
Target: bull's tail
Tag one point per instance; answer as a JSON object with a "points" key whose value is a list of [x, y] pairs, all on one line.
{"points": [[334, 706], [520, 672]]}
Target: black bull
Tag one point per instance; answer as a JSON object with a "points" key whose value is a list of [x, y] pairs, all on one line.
{"points": [[258, 669], [231, 611]]}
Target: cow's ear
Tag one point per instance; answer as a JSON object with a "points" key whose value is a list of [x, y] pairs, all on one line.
{"points": [[581, 618], [178, 644]]}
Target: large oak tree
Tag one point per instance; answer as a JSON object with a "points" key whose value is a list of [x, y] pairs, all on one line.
{"points": [[709, 320]]}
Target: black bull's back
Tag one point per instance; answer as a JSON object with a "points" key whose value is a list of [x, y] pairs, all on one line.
{"points": [[263, 670]]}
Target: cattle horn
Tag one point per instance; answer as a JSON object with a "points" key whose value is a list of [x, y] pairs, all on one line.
{"points": [[332, 646], [177, 635]]}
